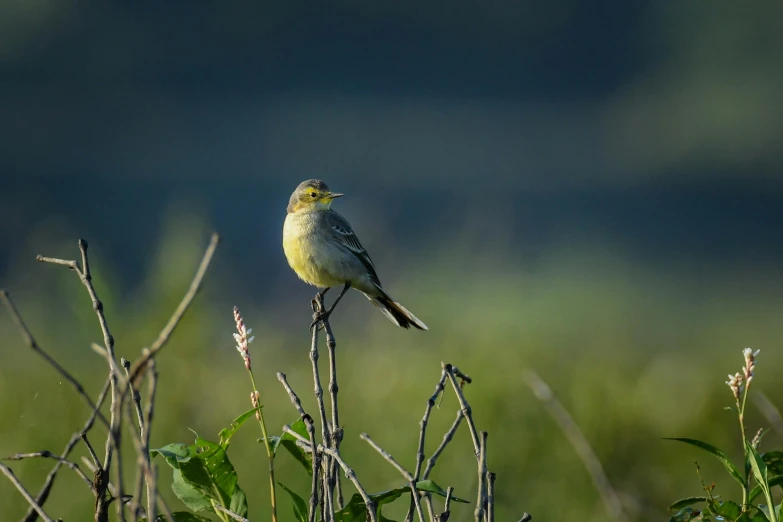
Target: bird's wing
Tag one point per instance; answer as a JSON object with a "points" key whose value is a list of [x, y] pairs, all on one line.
{"points": [[343, 233]]}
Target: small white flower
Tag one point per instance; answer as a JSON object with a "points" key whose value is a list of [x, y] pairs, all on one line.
{"points": [[750, 354]]}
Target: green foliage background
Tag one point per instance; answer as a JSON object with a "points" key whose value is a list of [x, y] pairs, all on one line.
{"points": [[636, 352]]}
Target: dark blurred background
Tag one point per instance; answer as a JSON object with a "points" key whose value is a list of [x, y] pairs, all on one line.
{"points": [[591, 189]]}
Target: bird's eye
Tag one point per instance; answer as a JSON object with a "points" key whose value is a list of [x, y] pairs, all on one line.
{"points": [[313, 194]]}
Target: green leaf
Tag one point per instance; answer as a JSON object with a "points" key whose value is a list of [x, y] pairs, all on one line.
{"points": [[288, 441], [774, 462], [685, 514], [180, 516], [300, 506], [729, 510], [689, 501], [760, 474], [720, 455], [238, 502], [193, 498], [428, 485], [210, 471], [354, 510], [173, 453], [226, 433], [756, 491]]}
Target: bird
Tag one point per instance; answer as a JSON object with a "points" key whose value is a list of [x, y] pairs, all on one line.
{"points": [[324, 251]]}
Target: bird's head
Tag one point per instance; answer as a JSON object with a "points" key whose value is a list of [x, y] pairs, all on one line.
{"points": [[312, 194]]}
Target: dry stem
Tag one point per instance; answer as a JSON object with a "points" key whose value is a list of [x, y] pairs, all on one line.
{"points": [[411, 481], [463, 403], [30, 500], [368, 502]]}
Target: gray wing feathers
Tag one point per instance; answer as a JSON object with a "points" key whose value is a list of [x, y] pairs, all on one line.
{"points": [[344, 235]]}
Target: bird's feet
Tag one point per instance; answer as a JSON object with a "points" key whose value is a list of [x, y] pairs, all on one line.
{"points": [[320, 317]]}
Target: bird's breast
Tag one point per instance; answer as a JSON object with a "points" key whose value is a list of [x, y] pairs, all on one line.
{"points": [[306, 251]]}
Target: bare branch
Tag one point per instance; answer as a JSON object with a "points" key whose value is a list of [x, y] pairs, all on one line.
{"points": [[481, 496], [291, 394], [447, 437], [368, 502], [49, 455], [577, 439], [443, 517], [165, 334], [152, 487], [463, 403], [411, 481], [43, 494], [319, 397], [336, 433], [490, 496], [135, 395], [112, 439], [422, 433], [30, 500], [91, 450], [110, 487], [230, 513], [31, 342], [316, 465]]}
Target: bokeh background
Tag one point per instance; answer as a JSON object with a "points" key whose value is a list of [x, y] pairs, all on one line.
{"points": [[589, 189]]}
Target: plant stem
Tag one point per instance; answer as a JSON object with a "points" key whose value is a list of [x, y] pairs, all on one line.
{"points": [[218, 512], [260, 417], [741, 415]]}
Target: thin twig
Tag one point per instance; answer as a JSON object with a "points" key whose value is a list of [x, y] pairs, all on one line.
{"points": [[463, 404], [30, 500], [31, 342], [411, 481], [481, 495], [447, 437], [422, 433], [463, 377], [161, 504], [316, 464], [230, 513], [152, 487], [43, 494], [336, 432], [91, 450], [112, 439], [319, 397], [49, 455], [368, 502], [577, 439], [326, 487], [490, 496], [768, 410], [144, 464], [136, 397], [443, 517], [291, 394], [165, 334], [110, 487]]}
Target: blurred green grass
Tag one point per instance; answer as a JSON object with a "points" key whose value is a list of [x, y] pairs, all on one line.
{"points": [[634, 351]]}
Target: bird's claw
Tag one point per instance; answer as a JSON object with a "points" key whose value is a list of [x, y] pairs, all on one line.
{"points": [[319, 317]]}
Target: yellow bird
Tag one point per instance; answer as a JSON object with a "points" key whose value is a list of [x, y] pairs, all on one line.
{"points": [[323, 250]]}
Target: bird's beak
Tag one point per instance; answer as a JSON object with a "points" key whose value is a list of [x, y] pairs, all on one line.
{"points": [[333, 195]]}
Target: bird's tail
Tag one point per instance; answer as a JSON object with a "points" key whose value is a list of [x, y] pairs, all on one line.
{"points": [[396, 313]]}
